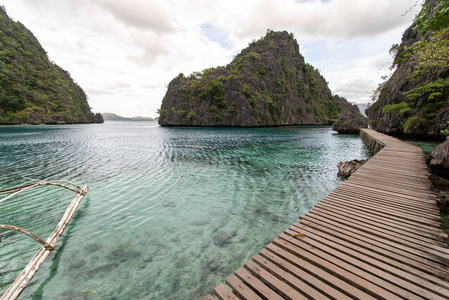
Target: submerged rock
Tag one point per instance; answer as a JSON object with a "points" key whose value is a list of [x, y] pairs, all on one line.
{"points": [[222, 239], [439, 159], [346, 168], [350, 122]]}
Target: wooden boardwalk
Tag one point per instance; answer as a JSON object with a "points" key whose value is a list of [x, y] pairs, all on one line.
{"points": [[376, 236]]}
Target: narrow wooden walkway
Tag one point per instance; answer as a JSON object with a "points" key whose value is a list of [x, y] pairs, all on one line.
{"points": [[376, 236]]}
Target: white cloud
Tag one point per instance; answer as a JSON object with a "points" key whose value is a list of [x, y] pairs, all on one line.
{"points": [[124, 53], [333, 19], [147, 15], [360, 78]]}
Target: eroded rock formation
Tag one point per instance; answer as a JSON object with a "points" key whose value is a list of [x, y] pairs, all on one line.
{"points": [[267, 84]]}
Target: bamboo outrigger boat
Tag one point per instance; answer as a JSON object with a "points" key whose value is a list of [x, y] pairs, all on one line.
{"points": [[48, 245]]}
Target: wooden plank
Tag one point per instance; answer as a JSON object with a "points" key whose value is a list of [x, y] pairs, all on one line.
{"points": [[427, 197], [401, 249], [313, 281], [241, 289], [391, 189], [380, 209], [385, 233], [392, 202], [379, 169], [407, 165], [258, 286], [379, 285], [223, 293], [350, 220], [385, 223], [208, 297], [424, 203], [388, 277], [379, 255], [324, 270], [288, 278], [280, 287], [348, 239], [413, 223], [410, 186], [390, 212], [393, 180]]}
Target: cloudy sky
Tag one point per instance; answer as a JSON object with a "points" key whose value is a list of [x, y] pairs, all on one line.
{"points": [[124, 53]]}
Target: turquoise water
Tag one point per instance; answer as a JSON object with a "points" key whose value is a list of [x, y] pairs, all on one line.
{"points": [[171, 212], [426, 146]]}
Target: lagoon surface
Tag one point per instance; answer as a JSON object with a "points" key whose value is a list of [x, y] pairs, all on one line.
{"points": [[170, 213]]}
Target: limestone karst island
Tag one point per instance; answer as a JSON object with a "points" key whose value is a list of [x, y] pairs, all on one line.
{"points": [[159, 150], [267, 84]]}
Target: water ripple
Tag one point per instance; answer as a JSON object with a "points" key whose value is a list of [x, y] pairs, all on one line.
{"points": [[170, 211]]}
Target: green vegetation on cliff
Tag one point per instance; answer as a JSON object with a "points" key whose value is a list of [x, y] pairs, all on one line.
{"points": [[34, 90], [267, 84], [415, 100]]}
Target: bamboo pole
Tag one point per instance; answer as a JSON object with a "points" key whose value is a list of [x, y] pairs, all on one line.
{"points": [[16, 190], [33, 266], [29, 233]]}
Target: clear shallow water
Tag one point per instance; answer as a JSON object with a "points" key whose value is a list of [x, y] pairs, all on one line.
{"points": [[171, 212]]}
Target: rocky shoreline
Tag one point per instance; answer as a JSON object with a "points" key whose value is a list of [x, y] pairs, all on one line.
{"points": [[346, 168]]}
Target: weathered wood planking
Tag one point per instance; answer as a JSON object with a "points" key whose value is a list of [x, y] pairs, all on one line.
{"points": [[376, 236]]}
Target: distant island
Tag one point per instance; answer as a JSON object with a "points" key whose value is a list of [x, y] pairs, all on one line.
{"points": [[115, 117], [267, 84]]}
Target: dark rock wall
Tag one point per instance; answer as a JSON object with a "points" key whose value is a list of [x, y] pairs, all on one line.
{"points": [[424, 118]]}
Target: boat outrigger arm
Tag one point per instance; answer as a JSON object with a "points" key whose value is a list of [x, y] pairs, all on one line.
{"points": [[48, 245]]}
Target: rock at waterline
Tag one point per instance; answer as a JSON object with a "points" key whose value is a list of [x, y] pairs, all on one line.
{"points": [[439, 159], [443, 201], [350, 123], [346, 168]]}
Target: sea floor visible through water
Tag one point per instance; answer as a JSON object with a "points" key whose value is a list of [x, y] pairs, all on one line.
{"points": [[170, 213]]}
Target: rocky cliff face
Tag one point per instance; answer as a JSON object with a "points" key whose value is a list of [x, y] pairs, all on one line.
{"points": [[267, 84], [34, 90], [414, 102]]}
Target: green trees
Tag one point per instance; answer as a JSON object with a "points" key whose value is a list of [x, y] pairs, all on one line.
{"points": [[432, 20], [417, 94], [32, 89]]}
